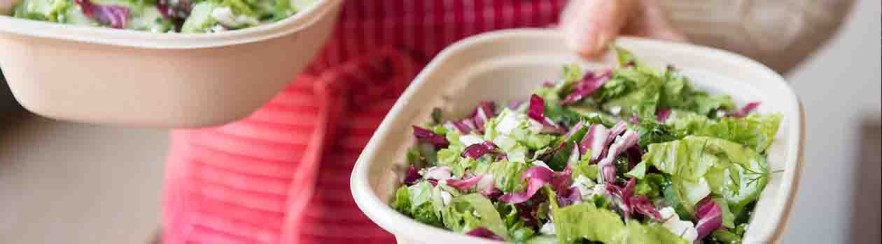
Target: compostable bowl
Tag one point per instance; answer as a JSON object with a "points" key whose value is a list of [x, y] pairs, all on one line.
{"points": [[507, 65], [108, 76]]}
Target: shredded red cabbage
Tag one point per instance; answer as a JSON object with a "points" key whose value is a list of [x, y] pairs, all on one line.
{"points": [[642, 205], [561, 181], [536, 178], [710, 217], [484, 233], [572, 197], [114, 15], [628, 203], [180, 10], [464, 126], [749, 107], [537, 113], [589, 83], [663, 115], [594, 140], [533, 186], [477, 150], [465, 184], [413, 175], [627, 140], [483, 113], [437, 173], [617, 130], [538, 172], [487, 187], [621, 196], [434, 182], [635, 155], [425, 135]]}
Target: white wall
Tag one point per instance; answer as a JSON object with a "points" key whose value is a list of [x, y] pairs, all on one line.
{"points": [[839, 87]]}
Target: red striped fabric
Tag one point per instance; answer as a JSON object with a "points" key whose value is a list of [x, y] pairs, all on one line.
{"points": [[256, 180]]}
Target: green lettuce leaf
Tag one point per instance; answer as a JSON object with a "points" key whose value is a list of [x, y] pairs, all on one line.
{"points": [[651, 233], [651, 131], [641, 95], [579, 222], [624, 57], [585, 168], [200, 19], [652, 185], [506, 174], [401, 200], [422, 206], [46, 10], [735, 172], [543, 239], [517, 229], [677, 93], [755, 130], [467, 212], [585, 221]]}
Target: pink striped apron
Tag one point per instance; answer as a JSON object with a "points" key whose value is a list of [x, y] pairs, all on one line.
{"points": [[281, 175]]}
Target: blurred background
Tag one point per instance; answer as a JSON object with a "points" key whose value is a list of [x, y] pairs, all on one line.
{"points": [[76, 183]]}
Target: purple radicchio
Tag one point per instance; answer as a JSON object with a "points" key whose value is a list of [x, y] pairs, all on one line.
{"points": [[663, 115], [425, 135], [710, 217], [624, 199], [437, 173], [114, 15], [179, 9], [625, 141], [589, 83], [484, 233], [477, 150], [536, 112], [464, 126], [412, 176], [746, 109], [482, 114], [536, 177], [465, 183], [594, 140]]}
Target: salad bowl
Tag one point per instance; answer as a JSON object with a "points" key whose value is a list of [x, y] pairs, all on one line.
{"points": [[122, 77], [507, 65]]}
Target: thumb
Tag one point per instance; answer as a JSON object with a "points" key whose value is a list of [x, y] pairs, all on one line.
{"points": [[590, 25]]}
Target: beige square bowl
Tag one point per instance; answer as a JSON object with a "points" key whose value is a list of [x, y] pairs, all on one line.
{"points": [[507, 65], [108, 76]]}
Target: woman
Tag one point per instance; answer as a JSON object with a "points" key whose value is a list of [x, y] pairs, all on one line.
{"points": [[282, 174]]}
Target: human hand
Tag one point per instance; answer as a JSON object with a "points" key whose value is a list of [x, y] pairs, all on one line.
{"points": [[7, 6], [591, 25]]}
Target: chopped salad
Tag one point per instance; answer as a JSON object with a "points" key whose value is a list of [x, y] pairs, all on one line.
{"points": [[626, 155], [161, 16]]}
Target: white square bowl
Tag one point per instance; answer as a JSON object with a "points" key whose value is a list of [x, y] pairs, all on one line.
{"points": [[508, 65], [108, 76]]}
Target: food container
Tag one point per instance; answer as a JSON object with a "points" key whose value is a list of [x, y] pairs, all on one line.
{"points": [[507, 65], [108, 76]]}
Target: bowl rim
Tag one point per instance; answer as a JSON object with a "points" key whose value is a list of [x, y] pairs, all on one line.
{"points": [[149, 40], [386, 217]]}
